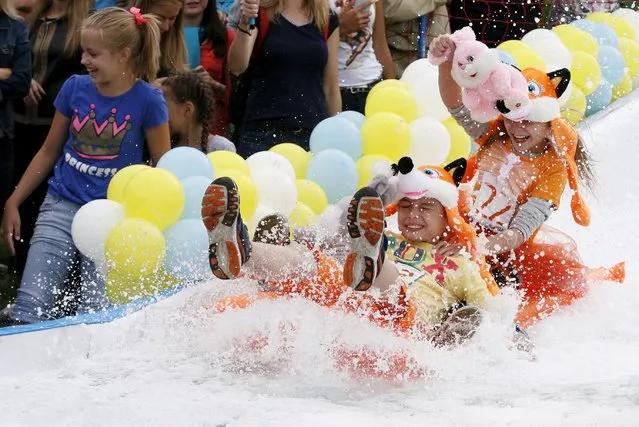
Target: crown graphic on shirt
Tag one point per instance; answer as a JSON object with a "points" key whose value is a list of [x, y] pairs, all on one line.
{"points": [[99, 140]]}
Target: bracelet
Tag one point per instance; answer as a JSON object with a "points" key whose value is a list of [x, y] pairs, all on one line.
{"points": [[247, 32]]}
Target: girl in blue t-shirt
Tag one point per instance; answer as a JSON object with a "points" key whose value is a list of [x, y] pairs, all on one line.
{"points": [[100, 126]]}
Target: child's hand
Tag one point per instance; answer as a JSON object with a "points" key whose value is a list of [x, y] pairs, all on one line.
{"points": [[442, 46], [249, 9], [35, 94], [504, 242], [385, 188], [5, 73], [353, 20], [158, 82], [11, 221], [446, 250]]}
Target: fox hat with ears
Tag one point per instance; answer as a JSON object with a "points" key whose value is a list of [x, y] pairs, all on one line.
{"points": [[544, 91], [440, 183]]}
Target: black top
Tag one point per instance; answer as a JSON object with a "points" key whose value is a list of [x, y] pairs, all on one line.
{"points": [[51, 68], [287, 80]]}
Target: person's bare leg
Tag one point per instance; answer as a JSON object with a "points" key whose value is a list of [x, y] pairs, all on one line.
{"points": [[275, 263], [388, 276]]}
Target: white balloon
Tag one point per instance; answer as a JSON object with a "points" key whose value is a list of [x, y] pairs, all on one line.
{"points": [[429, 101], [276, 190], [430, 142], [548, 45], [92, 224], [260, 212], [417, 70], [270, 160], [631, 16]]}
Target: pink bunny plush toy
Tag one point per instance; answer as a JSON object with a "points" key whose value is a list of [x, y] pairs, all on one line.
{"points": [[490, 87]]}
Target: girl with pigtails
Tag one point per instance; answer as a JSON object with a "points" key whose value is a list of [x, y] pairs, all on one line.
{"points": [[100, 126], [191, 103]]}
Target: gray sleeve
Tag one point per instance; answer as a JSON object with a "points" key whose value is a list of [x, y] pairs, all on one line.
{"points": [[218, 143], [473, 128], [234, 16], [531, 216]]}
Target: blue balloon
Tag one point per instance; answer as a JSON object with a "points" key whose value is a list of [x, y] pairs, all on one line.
{"points": [[339, 134], [335, 172], [354, 117], [185, 162], [613, 64], [505, 57], [194, 188], [187, 248], [604, 35], [599, 99]]}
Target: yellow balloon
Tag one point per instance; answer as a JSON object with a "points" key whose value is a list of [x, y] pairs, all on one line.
{"points": [[630, 51], [392, 100], [115, 191], [365, 167], [302, 216], [249, 195], [228, 160], [312, 195], [622, 89], [622, 27], [386, 134], [389, 83], [511, 46], [122, 288], [135, 247], [575, 107], [460, 142], [599, 17], [585, 72], [565, 29], [155, 195], [579, 40], [295, 154], [528, 58]]}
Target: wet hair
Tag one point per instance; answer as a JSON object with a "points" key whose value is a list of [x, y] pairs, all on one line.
{"points": [[120, 30], [585, 166], [195, 87], [173, 59]]}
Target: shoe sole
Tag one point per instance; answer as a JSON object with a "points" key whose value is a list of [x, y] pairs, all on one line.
{"points": [[365, 223], [220, 209], [272, 229]]}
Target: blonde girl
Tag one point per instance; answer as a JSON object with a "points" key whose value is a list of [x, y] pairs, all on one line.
{"points": [[101, 123]]}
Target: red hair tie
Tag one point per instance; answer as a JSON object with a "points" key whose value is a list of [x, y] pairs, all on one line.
{"points": [[137, 15]]}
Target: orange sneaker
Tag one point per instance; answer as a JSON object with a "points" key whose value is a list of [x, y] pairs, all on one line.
{"points": [[365, 223], [220, 214]]}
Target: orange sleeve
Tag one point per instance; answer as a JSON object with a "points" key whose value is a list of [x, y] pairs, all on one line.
{"points": [[551, 184]]}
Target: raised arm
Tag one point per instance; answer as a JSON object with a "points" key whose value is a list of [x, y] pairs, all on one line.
{"points": [[240, 51]]}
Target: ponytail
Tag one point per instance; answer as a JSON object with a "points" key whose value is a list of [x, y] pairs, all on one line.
{"points": [[130, 29], [147, 62]]}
